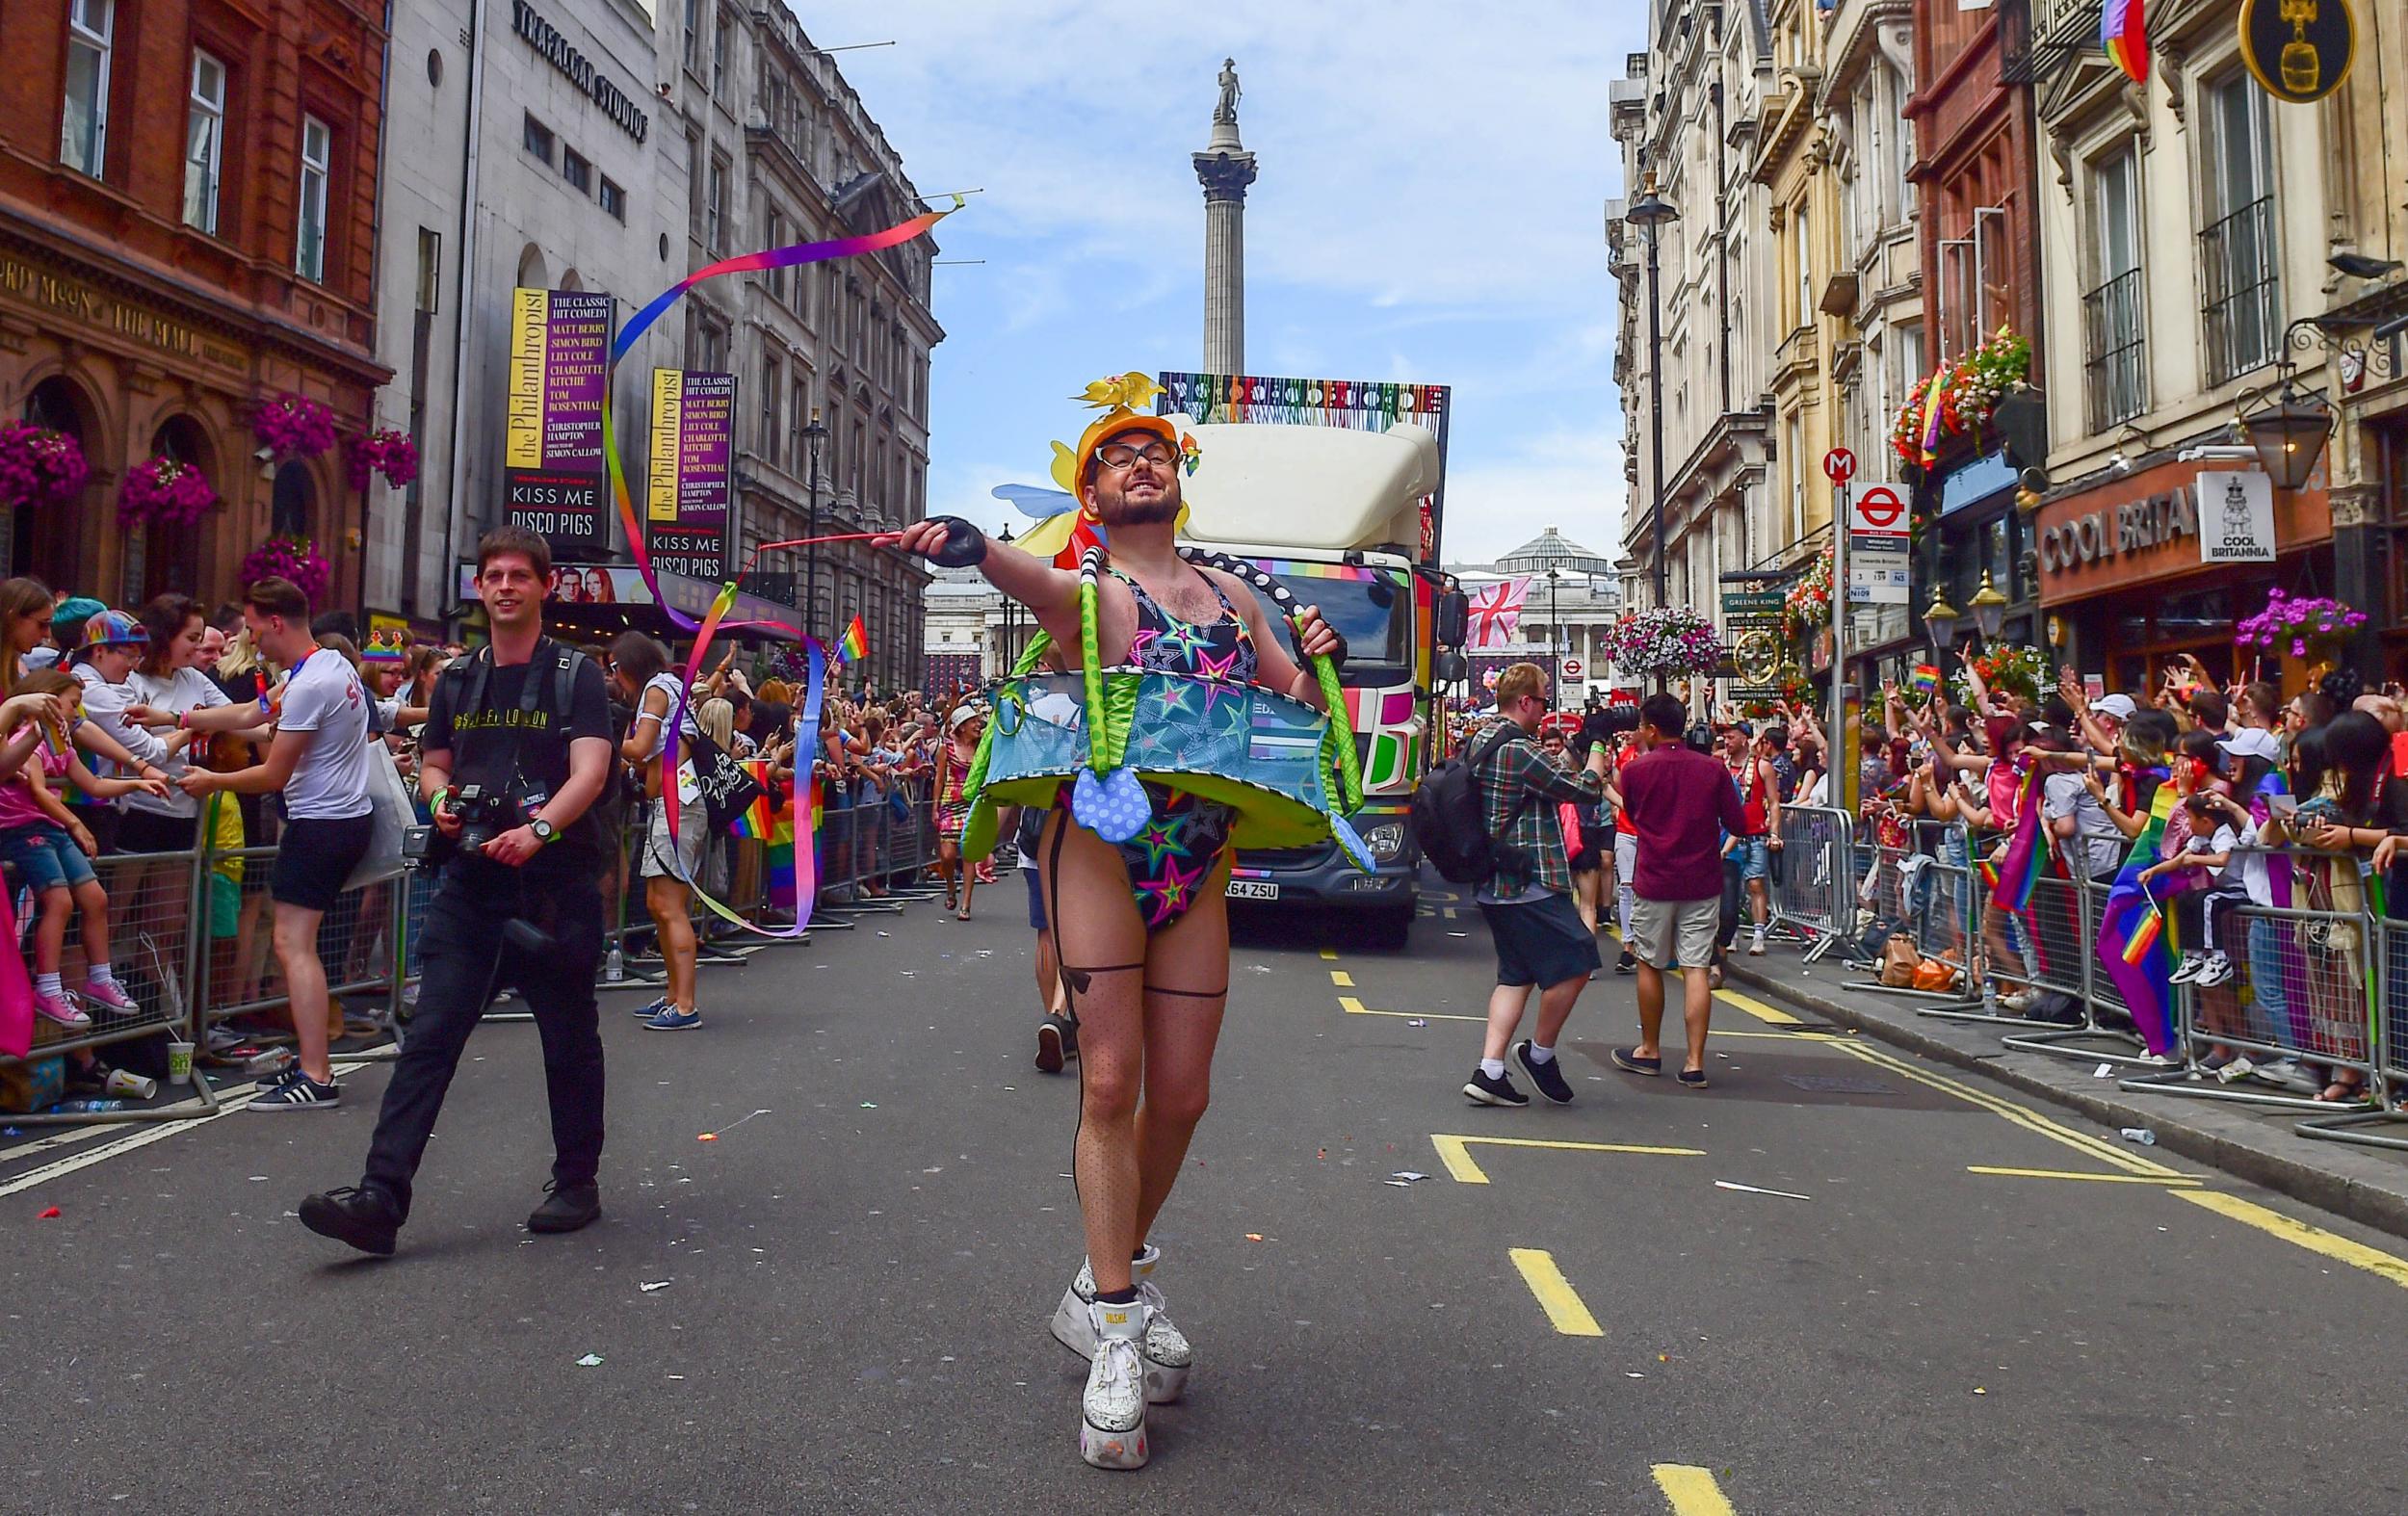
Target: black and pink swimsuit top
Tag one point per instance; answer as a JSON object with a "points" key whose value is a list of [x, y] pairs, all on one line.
{"points": [[1221, 649]]}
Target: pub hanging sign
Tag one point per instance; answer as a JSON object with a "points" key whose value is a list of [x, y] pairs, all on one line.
{"points": [[2300, 50]]}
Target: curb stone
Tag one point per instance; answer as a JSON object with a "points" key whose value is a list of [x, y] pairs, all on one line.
{"points": [[2359, 1184]]}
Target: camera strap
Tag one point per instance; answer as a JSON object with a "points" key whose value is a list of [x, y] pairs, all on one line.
{"points": [[550, 665]]}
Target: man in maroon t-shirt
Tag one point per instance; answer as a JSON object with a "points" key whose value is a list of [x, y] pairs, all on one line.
{"points": [[1679, 802]]}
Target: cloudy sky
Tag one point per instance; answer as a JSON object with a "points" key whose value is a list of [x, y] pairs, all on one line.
{"points": [[1429, 207]]}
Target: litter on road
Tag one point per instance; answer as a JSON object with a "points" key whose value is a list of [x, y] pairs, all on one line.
{"points": [[590, 1361], [1752, 1189]]}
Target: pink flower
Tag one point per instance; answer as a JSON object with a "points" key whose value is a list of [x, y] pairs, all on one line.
{"points": [[294, 427]]}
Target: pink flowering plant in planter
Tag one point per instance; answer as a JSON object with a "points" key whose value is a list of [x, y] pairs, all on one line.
{"points": [[294, 427], [293, 558], [386, 450], [2297, 623], [164, 492], [40, 466], [1673, 640]]}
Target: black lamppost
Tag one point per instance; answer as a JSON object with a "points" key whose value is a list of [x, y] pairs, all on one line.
{"points": [[1555, 629], [1650, 213], [812, 435], [1011, 649]]}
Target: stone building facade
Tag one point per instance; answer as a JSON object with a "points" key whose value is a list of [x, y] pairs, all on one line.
{"points": [[188, 205]]}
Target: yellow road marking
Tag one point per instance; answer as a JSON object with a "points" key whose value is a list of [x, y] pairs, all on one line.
{"points": [[1691, 1490], [2315, 1238], [1331, 954], [1341, 979], [1555, 1292], [1778, 1037], [2030, 1120], [1772, 1014], [1447, 911], [1356, 1007], [2173, 1182], [1454, 1152]]}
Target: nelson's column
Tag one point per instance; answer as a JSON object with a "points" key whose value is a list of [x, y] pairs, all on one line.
{"points": [[1225, 168]]}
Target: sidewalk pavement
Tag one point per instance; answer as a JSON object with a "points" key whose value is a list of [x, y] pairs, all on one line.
{"points": [[2259, 1143]]}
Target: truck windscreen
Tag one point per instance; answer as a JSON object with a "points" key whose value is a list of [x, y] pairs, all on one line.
{"points": [[1371, 608]]}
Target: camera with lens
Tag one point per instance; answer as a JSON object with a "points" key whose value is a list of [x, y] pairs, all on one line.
{"points": [[484, 815]]}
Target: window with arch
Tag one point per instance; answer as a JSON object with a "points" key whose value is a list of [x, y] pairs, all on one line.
{"points": [[532, 273], [293, 505]]}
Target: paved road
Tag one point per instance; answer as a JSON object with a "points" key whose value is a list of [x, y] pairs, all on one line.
{"points": [[1568, 1315]]}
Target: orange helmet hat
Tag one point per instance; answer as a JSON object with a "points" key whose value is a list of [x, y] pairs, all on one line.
{"points": [[1065, 537]]}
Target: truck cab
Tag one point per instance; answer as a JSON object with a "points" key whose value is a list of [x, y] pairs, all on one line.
{"points": [[1336, 515]]}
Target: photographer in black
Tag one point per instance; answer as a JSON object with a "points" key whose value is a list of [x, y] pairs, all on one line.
{"points": [[516, 750]]}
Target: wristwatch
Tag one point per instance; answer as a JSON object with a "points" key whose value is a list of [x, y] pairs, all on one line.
{"points": [[545, 832]]}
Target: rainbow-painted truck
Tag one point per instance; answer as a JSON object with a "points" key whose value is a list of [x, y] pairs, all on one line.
{"points": [[1344, 512]]}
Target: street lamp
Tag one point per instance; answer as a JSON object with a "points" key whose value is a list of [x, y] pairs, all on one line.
{"points": [[812, 435], [1649, 213], [1942, 618], [1555, 626], [2290, 436], [1012, 650], [1989, 609]]}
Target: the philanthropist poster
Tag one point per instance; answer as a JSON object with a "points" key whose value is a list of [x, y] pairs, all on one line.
{"points": [[689, 494], [553, 471]]}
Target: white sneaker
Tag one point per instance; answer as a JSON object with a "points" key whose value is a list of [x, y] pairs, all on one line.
{"points": [[2217, 971], [1167, 1354], [1756, 947], [2187, 970], [1112, 1412]]}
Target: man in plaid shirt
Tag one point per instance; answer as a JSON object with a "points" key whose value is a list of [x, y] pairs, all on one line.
{"points": [[1542, 941]]}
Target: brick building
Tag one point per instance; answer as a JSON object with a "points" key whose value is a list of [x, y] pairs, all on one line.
{"points": [[188, 194]]}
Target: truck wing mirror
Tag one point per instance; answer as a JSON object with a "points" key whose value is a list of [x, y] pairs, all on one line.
{"points": [[1451, 618], [1447, 667]]}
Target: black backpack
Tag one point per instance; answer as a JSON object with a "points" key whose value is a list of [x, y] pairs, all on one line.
{"points": [[1450, 822]]}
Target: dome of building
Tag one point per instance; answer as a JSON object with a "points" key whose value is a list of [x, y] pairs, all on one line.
{"points": [[1552, 549]]}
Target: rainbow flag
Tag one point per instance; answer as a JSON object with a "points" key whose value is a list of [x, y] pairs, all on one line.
{"points": [[2124, 34], [2011, 881], [1926, 679], [2131, 933], [782, 861], [757, 821], [855, 644], [1931, 414], [2145, 933]]}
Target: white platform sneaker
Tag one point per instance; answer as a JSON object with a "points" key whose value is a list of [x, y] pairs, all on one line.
{"points": [[1167, 1355], [1112, 1412]]}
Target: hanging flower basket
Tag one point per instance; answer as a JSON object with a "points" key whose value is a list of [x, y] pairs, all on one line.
{"points": [[2298, 624], [40, 466], [1672, 640], [1968, 392], [161, 492], [1806, 608], [294, 427], [293, 558], [386, 450]]}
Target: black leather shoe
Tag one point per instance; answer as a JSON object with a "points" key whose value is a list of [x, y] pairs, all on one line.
{"points": [[566, 1208], [363, 1219]]}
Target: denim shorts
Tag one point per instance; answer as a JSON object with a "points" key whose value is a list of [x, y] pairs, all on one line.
{"points": [[44, 857], [1754, 855]]}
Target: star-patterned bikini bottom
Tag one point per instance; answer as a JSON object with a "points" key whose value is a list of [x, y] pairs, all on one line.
{"points": [[1173, 858]]}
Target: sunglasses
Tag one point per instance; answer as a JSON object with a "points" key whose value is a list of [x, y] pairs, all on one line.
{"points": [[1120, 455]]}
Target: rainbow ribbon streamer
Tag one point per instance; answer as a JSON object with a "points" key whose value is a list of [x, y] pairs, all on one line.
{"points": [[806, 872]]}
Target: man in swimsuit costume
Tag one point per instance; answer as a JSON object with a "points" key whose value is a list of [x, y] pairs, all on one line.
{"points": [[1142, 927]]}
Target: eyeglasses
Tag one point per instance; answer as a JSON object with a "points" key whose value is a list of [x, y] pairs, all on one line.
{"points": [[1119, 456]]}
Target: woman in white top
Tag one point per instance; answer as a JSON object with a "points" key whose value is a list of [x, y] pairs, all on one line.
{"points": [[167, 680]]}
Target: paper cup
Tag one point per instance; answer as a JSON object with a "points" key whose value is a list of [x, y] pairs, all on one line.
{"points": [[140, 1087], [179, 1063]]}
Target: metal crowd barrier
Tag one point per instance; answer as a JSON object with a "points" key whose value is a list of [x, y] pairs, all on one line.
{"points": [[2313, 997], [190, 936], [1809, 882]]}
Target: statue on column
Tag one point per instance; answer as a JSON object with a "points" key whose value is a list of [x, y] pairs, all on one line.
{"points": [[1227, 110]]}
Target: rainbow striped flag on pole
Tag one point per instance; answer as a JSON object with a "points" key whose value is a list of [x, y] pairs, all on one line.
{"points": [[854, 646], [2133, 948], [2124, 37], [2011, 882], [1926, 679], [759, 819]]}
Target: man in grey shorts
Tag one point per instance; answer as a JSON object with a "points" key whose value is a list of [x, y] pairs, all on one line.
{"points": [[1679, 802]]}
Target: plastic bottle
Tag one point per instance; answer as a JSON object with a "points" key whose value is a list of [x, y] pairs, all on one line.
{"points": [[85, 1106], [2141, 1135], [614, 967]]}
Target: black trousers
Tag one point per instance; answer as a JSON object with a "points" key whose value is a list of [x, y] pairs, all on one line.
{"points": [[465, 959]]}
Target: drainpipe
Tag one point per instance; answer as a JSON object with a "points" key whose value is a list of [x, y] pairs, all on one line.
{"points": [[466, 285]]}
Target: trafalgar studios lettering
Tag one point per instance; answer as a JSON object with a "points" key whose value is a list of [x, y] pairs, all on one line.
{"points": [[579, 69]]}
